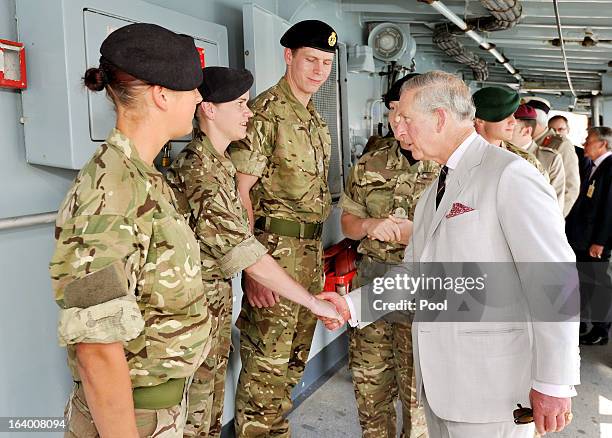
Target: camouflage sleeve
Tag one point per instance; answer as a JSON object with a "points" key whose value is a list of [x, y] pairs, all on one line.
{"points": [[353, 199], [221, 229], [94, 271], [251, 155]]}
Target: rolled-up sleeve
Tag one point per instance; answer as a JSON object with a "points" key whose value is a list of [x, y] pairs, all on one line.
{"points": [[94, 271], [353, 199], [224, 233], [251, 155]]}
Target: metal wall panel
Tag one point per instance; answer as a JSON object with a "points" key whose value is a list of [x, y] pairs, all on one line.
{"points": [[63, 122]]}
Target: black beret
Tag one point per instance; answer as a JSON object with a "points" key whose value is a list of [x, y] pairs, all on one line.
{"points": [[310, 33], [394, 92], [154, 54], [494, 104], [224, 84]]}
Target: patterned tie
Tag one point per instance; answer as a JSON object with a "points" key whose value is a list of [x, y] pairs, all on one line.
{"points": [[441, 185]]}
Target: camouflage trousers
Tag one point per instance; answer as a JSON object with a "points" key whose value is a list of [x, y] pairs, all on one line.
{"points": [[275, 342], [159, 423], [381, 361], [207, 391]]}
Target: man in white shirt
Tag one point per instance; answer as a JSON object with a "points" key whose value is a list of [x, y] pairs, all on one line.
{"points": [[471, 375]]}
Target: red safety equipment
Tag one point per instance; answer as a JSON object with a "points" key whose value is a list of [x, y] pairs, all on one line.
{"points": [[340, 265], [12, 65]]}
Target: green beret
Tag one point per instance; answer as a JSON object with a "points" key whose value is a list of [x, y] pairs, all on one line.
{"points": [[155, 55], [223, 84], [310, 33], [494, 104], [394, 92]]}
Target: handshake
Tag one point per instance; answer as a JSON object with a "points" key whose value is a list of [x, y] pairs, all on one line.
{"points": [[331, 308]]}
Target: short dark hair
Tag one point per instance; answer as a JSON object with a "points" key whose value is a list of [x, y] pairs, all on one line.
{"points": [[558, 117], [529, 123]]}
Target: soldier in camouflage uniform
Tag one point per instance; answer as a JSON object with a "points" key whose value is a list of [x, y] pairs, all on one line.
{"points": [[203, 178], [547, 137], [550, 159], [382, 192], [495, 121], [126, 267], [285, 160]]}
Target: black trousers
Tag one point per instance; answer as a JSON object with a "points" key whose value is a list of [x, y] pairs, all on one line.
{"points": [[595, 290]]}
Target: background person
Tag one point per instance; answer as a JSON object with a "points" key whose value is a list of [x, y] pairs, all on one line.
{"points": [[522, 137], [495, 122], [122, 321], [547, 137], [589, 231], [377, 208]]}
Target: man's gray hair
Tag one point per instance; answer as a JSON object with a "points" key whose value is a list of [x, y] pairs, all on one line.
{"points": [[603, 133], [541, 117], [438, 89]]}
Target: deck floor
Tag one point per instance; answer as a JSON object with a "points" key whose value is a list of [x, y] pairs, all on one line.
{"points": [[331, 412]]}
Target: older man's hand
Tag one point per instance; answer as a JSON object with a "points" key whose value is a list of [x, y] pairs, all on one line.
{"points": [[385, 230], [550, 414], [341, 307]]}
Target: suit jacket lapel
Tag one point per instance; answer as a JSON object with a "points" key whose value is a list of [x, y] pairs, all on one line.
{"points": [[455, 183], [605, 163]]}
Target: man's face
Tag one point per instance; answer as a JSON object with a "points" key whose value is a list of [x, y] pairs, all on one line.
{"points": [[416, 130], [559, 126], [393, 108], [232, 117], [496, 131], [309, 68], [521, 134], [594, 147]]}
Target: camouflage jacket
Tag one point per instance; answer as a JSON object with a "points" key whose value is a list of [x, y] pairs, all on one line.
{"points": [[288, 147], [565, 148], [527, 156], [204, 183], [383, 182], [126, 268]]}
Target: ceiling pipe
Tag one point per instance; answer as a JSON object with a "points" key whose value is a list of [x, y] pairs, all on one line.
{"points": [[462, 25], [560, 30]]}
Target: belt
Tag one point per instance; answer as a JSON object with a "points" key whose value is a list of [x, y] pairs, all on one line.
{"points": [[284, 227], [162, 396]]}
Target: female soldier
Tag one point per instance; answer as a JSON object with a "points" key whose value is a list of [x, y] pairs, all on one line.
{"points": [[126, 268], [203, 178]]}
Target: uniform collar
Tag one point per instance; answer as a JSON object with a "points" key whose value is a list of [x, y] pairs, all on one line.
{"points": [[546, 133], [120, 141], [204, 147], [305, 114]]}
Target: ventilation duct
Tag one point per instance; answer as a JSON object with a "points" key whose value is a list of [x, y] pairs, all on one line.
{"points": [[504, 15], [453, 48]]}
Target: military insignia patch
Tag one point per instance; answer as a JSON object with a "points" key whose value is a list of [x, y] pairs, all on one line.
{"points": [[332, 39]]}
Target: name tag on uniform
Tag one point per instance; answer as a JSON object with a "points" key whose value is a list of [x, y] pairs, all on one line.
{"points": [[590, 190]]}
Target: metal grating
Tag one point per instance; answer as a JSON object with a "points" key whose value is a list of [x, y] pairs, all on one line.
{"points": [[327, 102]]}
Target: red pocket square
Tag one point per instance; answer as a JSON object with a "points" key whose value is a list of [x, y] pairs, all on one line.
{"points": [[458, 209]]}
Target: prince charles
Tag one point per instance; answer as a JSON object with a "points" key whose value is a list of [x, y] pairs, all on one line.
{"points": [[488, 205]]}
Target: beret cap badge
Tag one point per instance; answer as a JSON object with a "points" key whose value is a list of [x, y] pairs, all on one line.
{"points": [[332, 39]]}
